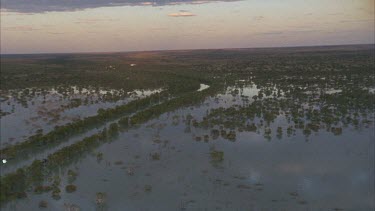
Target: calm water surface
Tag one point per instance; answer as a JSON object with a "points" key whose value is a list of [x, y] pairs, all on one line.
{"points": [[321, 172]]}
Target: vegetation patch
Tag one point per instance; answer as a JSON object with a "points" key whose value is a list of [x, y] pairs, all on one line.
{"points": [[70, 188], [217, 156]]}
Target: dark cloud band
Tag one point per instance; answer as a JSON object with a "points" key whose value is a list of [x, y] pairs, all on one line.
{"points": [[39, 6]]}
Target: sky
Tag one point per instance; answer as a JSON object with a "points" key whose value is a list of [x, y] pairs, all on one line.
{"points": [[64, 26]]}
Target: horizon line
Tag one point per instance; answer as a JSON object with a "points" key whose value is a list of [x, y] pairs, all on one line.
{"points": [[189, 49]]}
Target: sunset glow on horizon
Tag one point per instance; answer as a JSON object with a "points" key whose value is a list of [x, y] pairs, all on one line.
{"points": [[162, 25]]}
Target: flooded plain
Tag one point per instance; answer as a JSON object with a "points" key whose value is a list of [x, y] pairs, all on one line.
{"points": [[26, 111], [296, 133], [170, 164]]}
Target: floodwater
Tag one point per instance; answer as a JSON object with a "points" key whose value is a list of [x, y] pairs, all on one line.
{"points": [[45, 109], [203, 87], [162, 165]]}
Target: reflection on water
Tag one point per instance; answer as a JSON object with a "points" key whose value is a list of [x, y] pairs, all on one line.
{"points": [[162, 165], [28, 110], [203, 87], [142, 92], [291, 173]]}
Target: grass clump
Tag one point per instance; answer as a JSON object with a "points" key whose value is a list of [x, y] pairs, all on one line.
{"points": [[43, 204], [155, 156], [42, 189], [70, 188], [217, 156], [148, 188]]}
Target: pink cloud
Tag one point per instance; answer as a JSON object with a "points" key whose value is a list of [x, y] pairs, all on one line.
{"points": [[181, 14]]}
